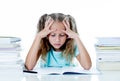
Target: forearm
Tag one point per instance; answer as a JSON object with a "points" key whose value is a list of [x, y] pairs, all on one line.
{"points": [[83, 57], [32, 55]]}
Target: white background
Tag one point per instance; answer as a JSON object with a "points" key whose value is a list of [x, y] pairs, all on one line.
{"points": [[94, 18]]}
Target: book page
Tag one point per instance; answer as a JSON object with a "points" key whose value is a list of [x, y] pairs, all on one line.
{"points": [[66, 70]]}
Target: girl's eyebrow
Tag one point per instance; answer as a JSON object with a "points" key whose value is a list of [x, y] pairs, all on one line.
{"points": [[61, 33], [52, 33]]}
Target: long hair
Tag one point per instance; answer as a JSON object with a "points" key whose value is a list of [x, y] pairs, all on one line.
{"points": [[68, 47]]}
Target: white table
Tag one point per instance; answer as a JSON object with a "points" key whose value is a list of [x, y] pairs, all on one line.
{"points": [[18, 75]]}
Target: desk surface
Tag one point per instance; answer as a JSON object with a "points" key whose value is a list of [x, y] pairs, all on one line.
{"points": [[18, 75]]}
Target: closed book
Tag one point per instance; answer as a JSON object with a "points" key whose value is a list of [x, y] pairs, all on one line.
{"points": [[9, 39], [108, 51], [104, 66], [108, 41], [108, 56], [9, 45], [107, 47]]}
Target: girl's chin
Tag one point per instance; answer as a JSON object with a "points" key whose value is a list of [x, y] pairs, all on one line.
{"points": [[56, 48]]}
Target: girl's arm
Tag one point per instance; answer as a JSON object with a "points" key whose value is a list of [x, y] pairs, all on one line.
{"points": [[32, 58], [83, 58]]}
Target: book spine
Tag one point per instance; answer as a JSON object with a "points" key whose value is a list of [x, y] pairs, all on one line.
{"points": [[111, 66], [9, 40]]}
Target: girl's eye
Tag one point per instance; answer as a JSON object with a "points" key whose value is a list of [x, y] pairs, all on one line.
{"points": [[62, 35], [53, 35]]}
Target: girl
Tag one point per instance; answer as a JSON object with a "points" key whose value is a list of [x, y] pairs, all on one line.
{"points": [[57, 43]]}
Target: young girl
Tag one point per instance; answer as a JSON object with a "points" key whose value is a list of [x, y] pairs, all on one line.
{"points": [[57, 43]]}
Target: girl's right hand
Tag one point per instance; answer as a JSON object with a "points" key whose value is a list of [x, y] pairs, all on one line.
{"points": [[43, 33]]}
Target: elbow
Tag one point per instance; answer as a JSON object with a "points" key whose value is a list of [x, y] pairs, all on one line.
{"points": [[87, 66], [28, 67]]}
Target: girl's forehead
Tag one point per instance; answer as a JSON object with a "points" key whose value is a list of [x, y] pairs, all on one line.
{"points": [[57, 25]]}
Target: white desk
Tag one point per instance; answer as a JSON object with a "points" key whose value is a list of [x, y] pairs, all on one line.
{"points": [[18, 75], [104, 76]]}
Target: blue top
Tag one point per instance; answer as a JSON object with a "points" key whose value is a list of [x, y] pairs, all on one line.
{"points": [[55, 59]]}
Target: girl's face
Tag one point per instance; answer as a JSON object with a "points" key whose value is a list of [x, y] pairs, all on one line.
{"points": [[57, 38]]}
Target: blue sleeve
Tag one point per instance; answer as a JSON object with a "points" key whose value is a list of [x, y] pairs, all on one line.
{"points": [[77, 52]]}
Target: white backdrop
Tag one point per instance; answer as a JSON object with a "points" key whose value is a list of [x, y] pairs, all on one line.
{"points": [[94, 18]]}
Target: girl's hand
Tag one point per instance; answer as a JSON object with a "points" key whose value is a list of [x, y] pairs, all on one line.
{"points": [[68, 31], [46, 29]]}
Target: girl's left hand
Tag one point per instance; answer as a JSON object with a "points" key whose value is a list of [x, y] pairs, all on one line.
{"points": [[68, 31]]}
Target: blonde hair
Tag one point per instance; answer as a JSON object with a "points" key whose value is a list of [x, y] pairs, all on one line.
{"points": [[68, 48]]}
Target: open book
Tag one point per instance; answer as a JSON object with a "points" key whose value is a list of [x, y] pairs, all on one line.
{"points": [[65, 71]]}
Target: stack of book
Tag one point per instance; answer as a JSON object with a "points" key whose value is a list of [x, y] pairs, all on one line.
{"points": [[10, 58], [108, 53]]}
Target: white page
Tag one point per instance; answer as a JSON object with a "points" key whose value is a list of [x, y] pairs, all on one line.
{"points": [[61, 70]]}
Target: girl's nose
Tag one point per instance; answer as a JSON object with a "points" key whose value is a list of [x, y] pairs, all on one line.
{"points": [[57, 38]]}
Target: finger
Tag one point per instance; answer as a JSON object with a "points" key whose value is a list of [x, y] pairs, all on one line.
{"points": [[65, 32], [50, 31], [66, 24], [67, 21], [49, 23], [48, 19], [68, 33]]}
